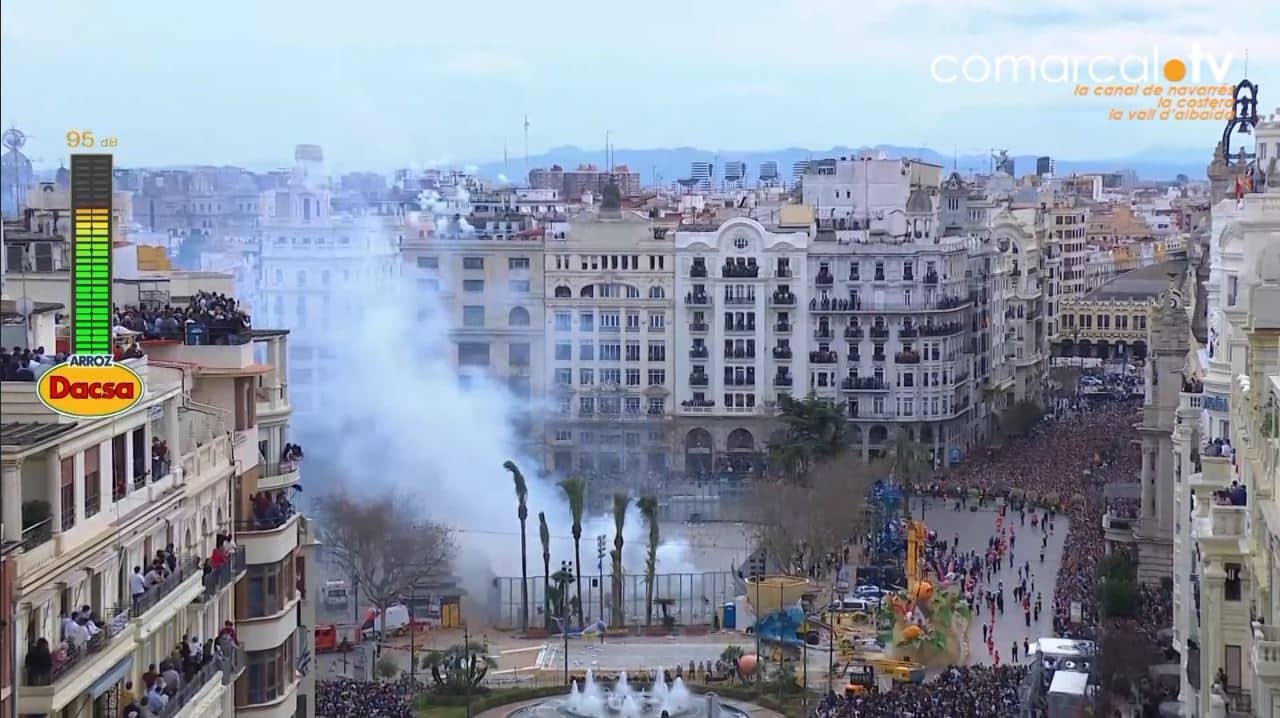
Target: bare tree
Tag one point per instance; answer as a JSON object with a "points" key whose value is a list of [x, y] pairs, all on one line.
{"points": [[384, 544], [818, 514]]}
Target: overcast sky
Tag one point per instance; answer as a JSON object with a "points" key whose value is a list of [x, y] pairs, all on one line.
{"points": [[384, 83]]}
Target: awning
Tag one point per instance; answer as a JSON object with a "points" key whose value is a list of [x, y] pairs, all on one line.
{"points": [[111, 677]]}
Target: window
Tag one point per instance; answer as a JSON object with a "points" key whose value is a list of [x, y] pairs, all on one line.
{"points": [[657, 320], [609, 321], [564, 377], [610, 351], [472, 316], [518, 286], [657, 407], [633, 351], [473, 285], [564, 321], [586, 406], [518, 355], [633, 321], [657, 377], [656, 293], [657, 351], [564, 351], [429, 262], [473, 262], [119, 457], [473, 354], [586, 351], [518, 317], [1231, 588], [92, 481], [610, 377], [267, 674], [586, 377], [270, 587], [633, 377], [586, 321], [517, 263]]}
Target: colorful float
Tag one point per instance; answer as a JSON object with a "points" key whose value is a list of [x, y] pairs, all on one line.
{"points": [[927, 622]]}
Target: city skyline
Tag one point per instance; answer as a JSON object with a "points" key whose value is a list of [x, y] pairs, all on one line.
{"points": [[402, 85]]}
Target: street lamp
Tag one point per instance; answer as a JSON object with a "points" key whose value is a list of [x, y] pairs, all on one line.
{"points": [[602, 549], [563, 579]]}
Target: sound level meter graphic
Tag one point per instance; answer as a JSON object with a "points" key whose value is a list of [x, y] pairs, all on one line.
{"points": [[91, 254]]}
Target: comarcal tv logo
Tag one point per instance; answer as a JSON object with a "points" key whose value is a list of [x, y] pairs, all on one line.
{"points": [[1194, 66], [90, 387]]}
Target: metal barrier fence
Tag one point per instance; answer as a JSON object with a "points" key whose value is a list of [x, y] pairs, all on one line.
{"points": [[694, 598]]}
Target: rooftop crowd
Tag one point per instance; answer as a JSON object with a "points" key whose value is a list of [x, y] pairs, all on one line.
{"points": [[367, 699], [218, 314], [960, 692]]}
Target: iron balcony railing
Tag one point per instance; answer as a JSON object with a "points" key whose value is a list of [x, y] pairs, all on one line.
{"points": [[145, 601], [76, 655], [222, 576]]}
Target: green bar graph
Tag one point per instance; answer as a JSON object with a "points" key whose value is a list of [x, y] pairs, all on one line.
{"points": [[91, 254]]}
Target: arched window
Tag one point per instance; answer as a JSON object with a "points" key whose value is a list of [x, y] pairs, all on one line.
{"points": [[587, 292], [563, 292], [656, 293], [519, 317]]}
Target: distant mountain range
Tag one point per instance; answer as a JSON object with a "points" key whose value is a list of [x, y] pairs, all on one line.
{"points": [[671, 164]]}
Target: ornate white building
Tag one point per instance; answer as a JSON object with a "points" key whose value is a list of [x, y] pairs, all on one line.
{"points": [[742, 333]]}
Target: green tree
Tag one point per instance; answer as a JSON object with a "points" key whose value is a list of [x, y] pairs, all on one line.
{"points": [[386, 668], [908, 460], [621, 502], [648, 506], [813, 430], [1117, 586], [730, 656], [575, 491], [459, 668], [544, 535]]}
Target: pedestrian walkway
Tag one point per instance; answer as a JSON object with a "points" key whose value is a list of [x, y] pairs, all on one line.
{"points": [[974, 529]]}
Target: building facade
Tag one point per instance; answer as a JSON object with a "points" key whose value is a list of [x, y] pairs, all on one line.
{"points": [[741, 330], [610, 321]]}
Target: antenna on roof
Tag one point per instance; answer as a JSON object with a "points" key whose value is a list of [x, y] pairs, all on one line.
{"points": [[526, 147]]}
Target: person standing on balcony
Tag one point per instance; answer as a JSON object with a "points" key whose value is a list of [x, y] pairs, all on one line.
{"points": [[137, 584]]}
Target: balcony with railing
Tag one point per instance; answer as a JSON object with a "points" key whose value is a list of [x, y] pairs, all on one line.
{"points": [[824, 278], [225, 574], [1265, 654], [698, 271], [782, 353], [697, 299], [698, 352], [271, 534], [853, 333], [740, 381], [740, 327], [696, 379], [782, 380], [56, 673], [748, 269], [911, 357], [193, 690], [782, 327], [699, 327], [279, 474], [878, 356], [823, 357], [730, 298], [783, 273], [740, 354], [908, 333], [783, 299], [879, 332], [823, 332], [930, 278], [864, 383], [940, 330], [186, 576]]}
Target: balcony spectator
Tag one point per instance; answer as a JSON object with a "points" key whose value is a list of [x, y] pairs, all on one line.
{"points": [[156, 699], [137, 585], [39, 663], [218, 315], [228, 635], [159, 458]]}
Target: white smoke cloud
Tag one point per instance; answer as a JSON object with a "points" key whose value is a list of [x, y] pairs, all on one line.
{"points": [[399, 420]]}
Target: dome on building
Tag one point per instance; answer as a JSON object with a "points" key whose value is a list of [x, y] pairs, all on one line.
{"points": [[919, 202]]}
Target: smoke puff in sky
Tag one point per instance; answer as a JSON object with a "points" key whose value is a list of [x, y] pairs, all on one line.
{"points": [[407, 426]]}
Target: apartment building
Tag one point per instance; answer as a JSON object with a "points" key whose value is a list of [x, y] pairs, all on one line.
{"points": [[610, 313], [742, 339], [1225, 551], [483, 279], [85, 502], [1066, 222], [888, 283]]}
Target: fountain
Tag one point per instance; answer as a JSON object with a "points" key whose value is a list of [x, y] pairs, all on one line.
{"points": [[593, 700]]}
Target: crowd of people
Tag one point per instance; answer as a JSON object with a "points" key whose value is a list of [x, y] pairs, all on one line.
{"points": [[26, 364], [345, 697], [269, 511], [219, 317], [960, 692]]}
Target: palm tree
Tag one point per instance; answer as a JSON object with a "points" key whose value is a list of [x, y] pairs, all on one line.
{"points": [[814, 430], [459, 668], [649, 510], [575, 490], [544, 535], [620, 504], [907, 462], [522, 512]]}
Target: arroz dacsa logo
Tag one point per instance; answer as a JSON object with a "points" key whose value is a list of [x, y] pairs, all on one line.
{"points": [[90, 387]]}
